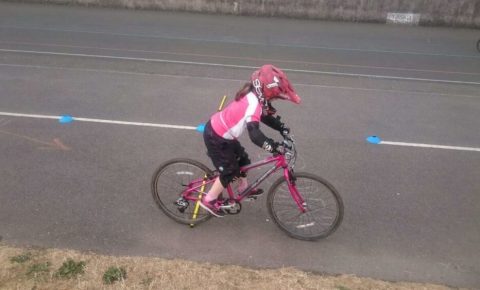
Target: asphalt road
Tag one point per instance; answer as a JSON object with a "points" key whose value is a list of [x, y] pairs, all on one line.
{"points": [[411, 213]]}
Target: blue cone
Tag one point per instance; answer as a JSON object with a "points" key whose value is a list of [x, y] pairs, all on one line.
{"points": [[201, 128], [65, 119], [374, 140]]}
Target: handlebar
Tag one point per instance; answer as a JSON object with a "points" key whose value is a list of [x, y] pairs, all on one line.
{"points": [[288, 149]]}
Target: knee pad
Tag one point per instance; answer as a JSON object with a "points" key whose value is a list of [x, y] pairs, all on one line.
{"points": [[243, 159], [228, 175]]}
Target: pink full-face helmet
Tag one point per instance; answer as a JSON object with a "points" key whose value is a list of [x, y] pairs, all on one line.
{"points": [[272, 83]]}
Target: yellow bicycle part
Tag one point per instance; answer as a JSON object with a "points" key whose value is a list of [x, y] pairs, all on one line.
{"points": [[202, 189], [197, 205]]}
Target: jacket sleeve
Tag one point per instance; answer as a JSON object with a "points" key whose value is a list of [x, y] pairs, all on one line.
{"points": [[272, 122], [257, 136], [269, 119]]}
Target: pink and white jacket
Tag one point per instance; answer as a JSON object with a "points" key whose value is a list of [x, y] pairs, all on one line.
{"points": [[232, 120]]}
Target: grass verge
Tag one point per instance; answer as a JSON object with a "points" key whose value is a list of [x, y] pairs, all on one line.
{"points": [[66, 269]]}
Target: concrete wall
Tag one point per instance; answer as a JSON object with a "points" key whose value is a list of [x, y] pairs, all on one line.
{"points": [[432, 12]]}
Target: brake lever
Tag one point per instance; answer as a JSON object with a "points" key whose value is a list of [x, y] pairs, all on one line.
{"points": [[287, 144], [288, 138]]}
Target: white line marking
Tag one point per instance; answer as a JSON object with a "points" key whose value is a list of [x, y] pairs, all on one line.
{"points": [[241, 42], [232, 80], [194, 128], [126, 58], [135, 123], [237, 66], [430, 146], [29, 115], [272, 60], [101, 121]]}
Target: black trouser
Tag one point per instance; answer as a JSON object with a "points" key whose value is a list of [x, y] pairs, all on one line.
{"points": [[227, 155]]}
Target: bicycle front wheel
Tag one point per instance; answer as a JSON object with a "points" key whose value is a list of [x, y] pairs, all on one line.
{"points": [[170, 180], [324, 207]]}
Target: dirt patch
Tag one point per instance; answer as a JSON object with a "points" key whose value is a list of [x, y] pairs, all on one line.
{"points": [[29, 268]]}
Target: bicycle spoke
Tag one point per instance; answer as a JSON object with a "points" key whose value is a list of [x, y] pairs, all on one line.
{"points": [[324, 209], [170, 182]]}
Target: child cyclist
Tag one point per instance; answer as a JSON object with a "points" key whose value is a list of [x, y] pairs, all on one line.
{"points": [[252, 104]]}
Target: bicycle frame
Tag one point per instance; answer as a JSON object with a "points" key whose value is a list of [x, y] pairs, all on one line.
{"points": [[191, 193]]}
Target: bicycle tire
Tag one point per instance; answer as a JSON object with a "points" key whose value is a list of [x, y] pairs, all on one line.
{"points": [[478, 45], [279, 201], [172, 185]]}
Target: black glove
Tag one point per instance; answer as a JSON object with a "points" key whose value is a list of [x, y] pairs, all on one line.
{"points": [[270, 146]]}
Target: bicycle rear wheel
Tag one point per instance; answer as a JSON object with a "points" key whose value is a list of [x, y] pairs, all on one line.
{"points": [[323, 203], [169, 182]]}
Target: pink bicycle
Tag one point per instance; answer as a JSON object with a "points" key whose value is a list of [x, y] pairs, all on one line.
{"points": [[304, 205]]}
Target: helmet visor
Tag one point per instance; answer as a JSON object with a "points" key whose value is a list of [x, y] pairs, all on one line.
{"points": [[288, 93]]}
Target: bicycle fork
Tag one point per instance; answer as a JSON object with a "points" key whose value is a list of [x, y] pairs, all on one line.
{"points": [[290, 178]]}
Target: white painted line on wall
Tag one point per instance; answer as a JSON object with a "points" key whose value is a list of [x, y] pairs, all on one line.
{"points": [[430, 146], [101, 121], [237, 66], [403, 18]]}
